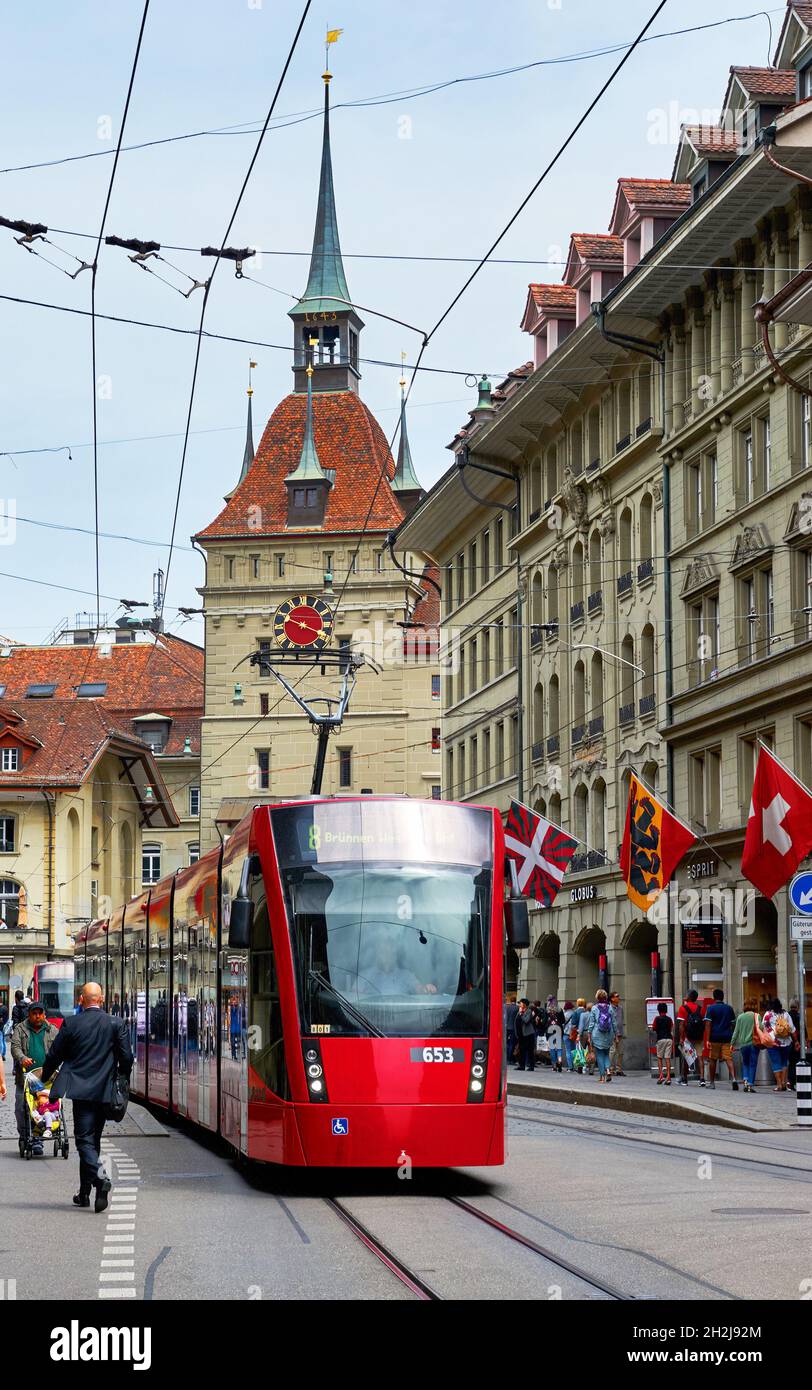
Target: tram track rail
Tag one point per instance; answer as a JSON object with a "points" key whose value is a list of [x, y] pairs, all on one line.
{"points": [[424, 1291], [615, 1132]]}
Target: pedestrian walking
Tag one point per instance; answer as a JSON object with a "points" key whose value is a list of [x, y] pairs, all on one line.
{"points": [[567, 1039], [720, 1022], [691, 1024], [3, 1026], [744, 1038], [30, 1041], [778, 1024], [90, 1050], [511, 1010], [601, 1028], [20, 1010], [586, 1040], [663, 1029], [555, 1031], [526, 1036], [616, 1052]]}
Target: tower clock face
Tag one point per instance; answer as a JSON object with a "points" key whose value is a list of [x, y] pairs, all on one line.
{"points": [[304, 621]]}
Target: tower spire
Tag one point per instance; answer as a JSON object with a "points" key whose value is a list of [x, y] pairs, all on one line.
{"points": [[325, 309], [405, 483], [249, 451], [308, 469], [326, 290]]}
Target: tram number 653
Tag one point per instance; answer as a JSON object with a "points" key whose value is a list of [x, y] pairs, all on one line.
{"points": [[438, 1054]]}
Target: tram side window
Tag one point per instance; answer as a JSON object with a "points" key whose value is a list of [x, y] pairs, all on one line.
{"points": [[267, 1057]]}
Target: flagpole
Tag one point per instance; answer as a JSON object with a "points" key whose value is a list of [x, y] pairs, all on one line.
{"points": [[569, 833], [684, 824], [783, 765]]}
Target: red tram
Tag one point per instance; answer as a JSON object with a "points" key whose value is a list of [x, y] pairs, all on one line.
{"points": [[326, 988], [52, 986]]}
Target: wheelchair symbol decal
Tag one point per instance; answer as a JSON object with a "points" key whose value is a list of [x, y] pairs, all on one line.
{"points": [[340, 1126]]}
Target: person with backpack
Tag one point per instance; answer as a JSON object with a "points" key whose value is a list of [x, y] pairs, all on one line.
{"points": [[601, 1028], [778, 1024], [720, 1021], [691, 1036], [526, 1036], [555, 1031]]}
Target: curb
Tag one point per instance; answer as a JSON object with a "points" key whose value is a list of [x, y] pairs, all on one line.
{"points": [[640, 1105]]}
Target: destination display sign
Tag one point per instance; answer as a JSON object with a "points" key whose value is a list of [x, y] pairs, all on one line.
{"points": [[702, 938]]}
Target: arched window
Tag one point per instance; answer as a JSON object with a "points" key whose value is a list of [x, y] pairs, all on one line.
{"points": [[578, 693], [10, 903], [555, 809], [577, 573], [535, 484], [597, 685], [594, 452], [577, 448], [645, 527], [597, 799], [595, 558], [538, 713], [151, 864], [625, 541], [74, 850], [581, 800], [647, 660], [627, 674], [538, 599], [554, 709], [552, 594], [125, 849], [651, 776], [552, 473], [540, 807]]}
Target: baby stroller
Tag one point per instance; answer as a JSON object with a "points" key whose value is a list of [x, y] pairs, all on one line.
{"points": [[43, 1128]]}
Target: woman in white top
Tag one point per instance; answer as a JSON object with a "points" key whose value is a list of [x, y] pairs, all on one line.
{"points": [[778, 1023]]}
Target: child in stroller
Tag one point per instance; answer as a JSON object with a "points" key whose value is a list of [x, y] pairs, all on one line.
{"points": [[44, 1119]]}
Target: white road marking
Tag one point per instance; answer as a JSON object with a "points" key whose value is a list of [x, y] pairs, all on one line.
{"points": [[115, 1273]]}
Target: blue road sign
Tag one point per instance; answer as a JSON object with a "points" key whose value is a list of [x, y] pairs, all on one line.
{"points": [[800, 893], [340, 1126]]}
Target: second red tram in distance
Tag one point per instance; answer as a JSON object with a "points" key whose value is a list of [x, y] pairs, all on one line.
{"points": [[52, 986], [326, 988]]}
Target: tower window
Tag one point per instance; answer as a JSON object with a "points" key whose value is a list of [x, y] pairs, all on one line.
{"points": [[353, 348], [345, 767], [263, 769], [298, 497], [312, 496]]}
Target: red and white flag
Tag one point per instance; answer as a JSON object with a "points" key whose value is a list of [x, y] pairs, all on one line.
{"points": [[779, 827], [541, 850]]}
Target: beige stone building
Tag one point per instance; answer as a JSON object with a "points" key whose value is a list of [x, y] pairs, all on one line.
{"points": [[309, 519], [664, 561], [76, 795]]}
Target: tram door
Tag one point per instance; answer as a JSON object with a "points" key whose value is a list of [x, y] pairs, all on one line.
{"points": [[234, 1047]]}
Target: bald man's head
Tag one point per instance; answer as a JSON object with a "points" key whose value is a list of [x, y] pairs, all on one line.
{"points": [[92, 995]]}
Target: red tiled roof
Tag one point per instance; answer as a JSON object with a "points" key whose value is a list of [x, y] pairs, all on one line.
{"points": [[593, 246], [348, 438], [553, 296], [709, 140], [802, 9], [72, 733], [139, 676], [655, 192], [767, 82]]}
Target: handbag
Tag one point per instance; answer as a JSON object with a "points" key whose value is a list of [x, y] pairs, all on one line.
{"points": [[116, 1107], [761, 1037]]}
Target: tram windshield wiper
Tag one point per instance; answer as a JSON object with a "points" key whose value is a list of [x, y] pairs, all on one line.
{"points": [[324, 983]]}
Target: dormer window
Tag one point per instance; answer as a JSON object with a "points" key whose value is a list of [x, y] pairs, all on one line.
{"points": [[9, 759], [154, 732]]}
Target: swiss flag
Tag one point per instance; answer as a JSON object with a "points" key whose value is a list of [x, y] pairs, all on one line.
{"points": [[779, 827], [541, 850]]}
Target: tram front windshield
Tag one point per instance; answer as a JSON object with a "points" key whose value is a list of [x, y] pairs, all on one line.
{"points": [[388, 904]]}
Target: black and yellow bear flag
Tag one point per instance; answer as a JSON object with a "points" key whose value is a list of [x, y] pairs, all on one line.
{"points": [[654, 842]]}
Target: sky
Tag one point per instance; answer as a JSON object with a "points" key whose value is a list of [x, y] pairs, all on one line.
{"points": [[436, 175]]}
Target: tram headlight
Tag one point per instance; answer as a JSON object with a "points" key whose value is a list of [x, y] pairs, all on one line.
{"points": [[476, 1085], [477, 1071], [479, 1055], [311, 1055], [479, 1064], [316, 1086], [314, 1069]]}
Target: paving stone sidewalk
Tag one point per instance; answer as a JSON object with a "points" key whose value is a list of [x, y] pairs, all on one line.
{"points": [[640, 1094]]}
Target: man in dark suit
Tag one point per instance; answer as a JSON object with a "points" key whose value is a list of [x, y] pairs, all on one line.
{"points": [[89, 1050]]}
